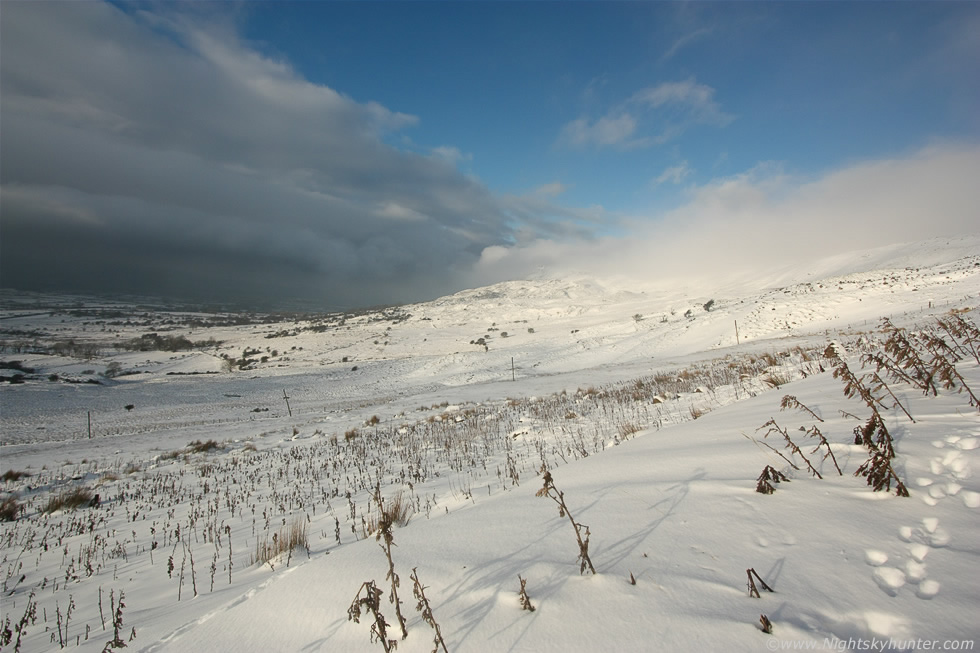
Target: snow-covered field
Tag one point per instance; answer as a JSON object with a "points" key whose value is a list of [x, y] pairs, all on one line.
{"points": [[645, 402]]}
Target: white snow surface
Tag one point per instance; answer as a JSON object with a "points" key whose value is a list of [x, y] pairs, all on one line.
{"points": [[461, 431]]}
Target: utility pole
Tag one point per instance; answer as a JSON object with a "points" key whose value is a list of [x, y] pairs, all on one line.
{"points": [[736, 333], [287, 403], [513, 375]]}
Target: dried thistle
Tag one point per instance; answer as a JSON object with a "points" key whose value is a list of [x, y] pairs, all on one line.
{"points": [[789, 401], [117, 624], [525, 599], [878, 470], [900, 347], [792, 446], [943, 361], [769, 476], [549, 490], [386, 540], [963, 332], [766, 624], [425, 610], [816, 433], [753, 590], [372, 602]]}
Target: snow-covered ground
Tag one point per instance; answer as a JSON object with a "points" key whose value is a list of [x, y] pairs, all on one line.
{"points": [[642, 400]]}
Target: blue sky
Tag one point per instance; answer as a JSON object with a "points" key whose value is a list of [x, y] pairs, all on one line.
{"points": [[351, 153], [810, 85]]}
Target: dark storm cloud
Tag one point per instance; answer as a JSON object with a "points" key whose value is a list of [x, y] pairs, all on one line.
{"points": [[159, 154]]}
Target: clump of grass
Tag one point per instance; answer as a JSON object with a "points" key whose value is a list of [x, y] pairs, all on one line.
{"points": [[10, 509], [697, 411], [775, 379], [397, 511], [628, 429], [70, 499], [12, 475], [202, 447], [287, 539]]}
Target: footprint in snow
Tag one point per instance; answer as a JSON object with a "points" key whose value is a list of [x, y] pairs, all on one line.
{"points": [[915, 572], [937, 491], [918, 551], [889, 579], [935, 535], [927, 589], [971, 499], [968, 444], [921, 539]]}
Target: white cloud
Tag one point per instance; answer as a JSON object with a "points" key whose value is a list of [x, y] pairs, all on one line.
{"points": [[608, 130], [674, 174], [451, 155], [651, 116], [695, 100], [684, 41], [750, 224], [553, 189]]}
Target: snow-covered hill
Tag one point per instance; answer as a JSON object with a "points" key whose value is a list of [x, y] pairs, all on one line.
{"points": [[642, 399]]}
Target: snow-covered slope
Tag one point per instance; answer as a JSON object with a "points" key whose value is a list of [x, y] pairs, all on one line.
{"points": [[639, 399]]}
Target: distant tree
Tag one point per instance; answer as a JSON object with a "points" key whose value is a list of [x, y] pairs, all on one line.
{"points": [[708, 305]]}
